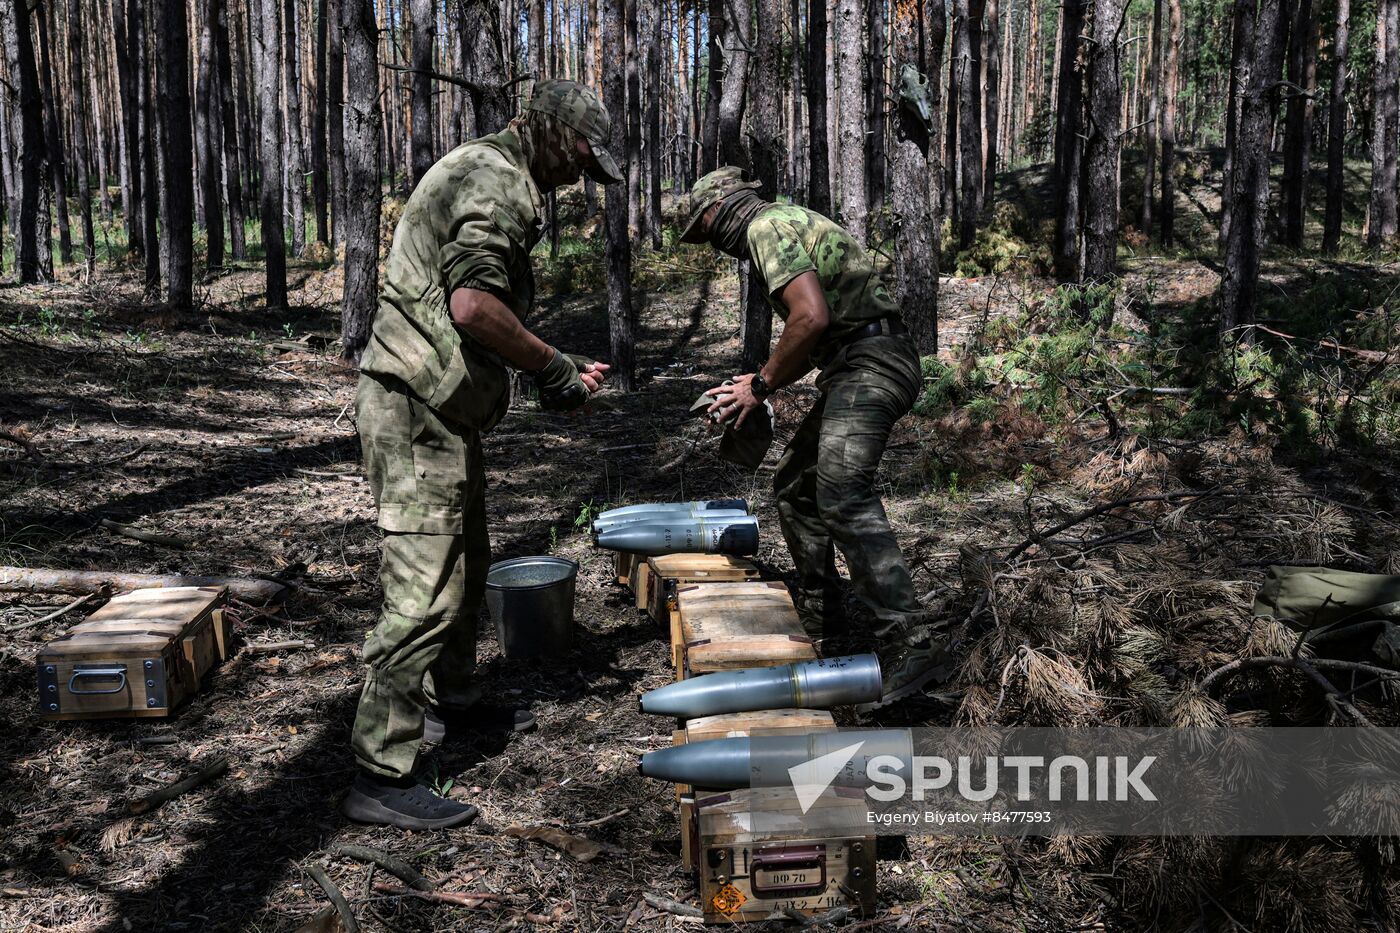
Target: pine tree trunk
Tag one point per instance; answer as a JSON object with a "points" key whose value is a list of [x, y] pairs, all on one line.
{"points": [[485, 65], [268, 39], [125, 54], [177, 149], [1101, 149], [295, 193], [966, 42], [709, 142], [1336, 131], [424, 29], [734, 91], [818, 163], [875, 104], [53, 104], [233, 183], [1241, 58], [1155, 46], [991, 113], [1170, 108], [934, 45], [850, 101], [1030, 95], [1068, 145], [150, 181], [27, 128], [636, 222], [335, 120], [536, 39], [1385, 126], [948, 188], [360, 226], [1258, 109], [916, 262], [1297, 139], [320, 169], [80, 140], [653, 64], [766, 138], [206, 141], [618, 248]]}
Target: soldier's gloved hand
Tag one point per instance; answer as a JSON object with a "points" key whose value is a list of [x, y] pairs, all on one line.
{"points": [[593, 373], [561, 387]]}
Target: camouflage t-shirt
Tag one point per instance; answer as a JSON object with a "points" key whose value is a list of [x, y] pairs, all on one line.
{"points": [[470, 223], [786, 240]]}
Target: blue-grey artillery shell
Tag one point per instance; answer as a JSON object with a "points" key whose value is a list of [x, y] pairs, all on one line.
{"points": [[686, 508], [819, 684], [635, 518], [734, 536], [767, 760]]}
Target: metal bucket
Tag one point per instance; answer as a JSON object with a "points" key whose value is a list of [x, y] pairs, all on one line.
{"points": [[531, 600]]}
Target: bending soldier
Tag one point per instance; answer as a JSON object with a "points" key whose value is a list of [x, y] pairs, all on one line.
{"points": [[840, 319], [457, 287]]}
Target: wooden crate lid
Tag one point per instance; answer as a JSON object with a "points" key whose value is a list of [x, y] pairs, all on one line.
{"points": [[760, 722], [714, 611], [727, 818], [181, 604], [744, 651], [135, 641], [701, 567]]}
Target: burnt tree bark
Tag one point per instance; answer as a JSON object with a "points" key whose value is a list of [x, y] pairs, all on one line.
{"points": [[709, 135], [966, 39], [1102, 147], [1170, 106], [653, 116], [34, 263], [360, 226], [1250, 177], [916, 259], [818, 160], [1385, 126], [1068, 144], [177, 149], [1298, 120], [484, 62], [1336, 130], [618, 248], [991, 111], [765, 156], [270, 131]]}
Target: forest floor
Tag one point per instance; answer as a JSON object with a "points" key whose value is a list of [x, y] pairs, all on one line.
{"points": [[232, 429]]}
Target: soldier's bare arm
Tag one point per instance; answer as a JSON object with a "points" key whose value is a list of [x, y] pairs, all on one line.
{"points": [[808, 318], [490, 323]]}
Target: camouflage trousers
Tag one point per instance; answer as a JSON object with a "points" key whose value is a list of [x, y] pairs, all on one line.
{"points": [[429, 486], [825, 485]]}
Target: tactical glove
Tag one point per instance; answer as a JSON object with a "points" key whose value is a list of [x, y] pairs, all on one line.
{"points": [[559, 384], [581, 362]]}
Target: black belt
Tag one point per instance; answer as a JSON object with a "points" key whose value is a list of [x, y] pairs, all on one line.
{"points": [[887, 326]]}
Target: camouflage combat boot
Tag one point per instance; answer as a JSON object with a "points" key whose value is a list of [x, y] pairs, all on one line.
{"points": [[909, 667]]}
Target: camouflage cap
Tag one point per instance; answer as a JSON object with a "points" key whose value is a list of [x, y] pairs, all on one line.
{"points": [[580, 108], [708, 191]]}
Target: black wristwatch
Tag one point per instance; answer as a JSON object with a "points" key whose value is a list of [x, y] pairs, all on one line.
{"points": [[759, 387]]}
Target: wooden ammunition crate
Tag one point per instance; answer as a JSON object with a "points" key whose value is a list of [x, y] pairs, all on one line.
{"points": [[730, 626], [140, 655], [624, 566], [728, 725], [758, 853], [660, 577]]}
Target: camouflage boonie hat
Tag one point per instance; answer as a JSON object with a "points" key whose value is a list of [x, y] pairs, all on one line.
{"points": [[580, 108], [711, 189]]}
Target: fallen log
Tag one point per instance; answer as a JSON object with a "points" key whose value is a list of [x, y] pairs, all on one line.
{"points": [[393, 865], [337, 899], [83, 582]]}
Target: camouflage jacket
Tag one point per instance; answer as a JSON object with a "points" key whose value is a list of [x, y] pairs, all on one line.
{"points": [[471, 223], [786, 240]]}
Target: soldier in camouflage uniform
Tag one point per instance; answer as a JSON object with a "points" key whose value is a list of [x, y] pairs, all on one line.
{"points": [[457, 287], [839, 319]]}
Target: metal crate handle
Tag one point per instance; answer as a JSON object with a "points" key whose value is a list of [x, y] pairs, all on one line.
{"points": [[97, 672]]}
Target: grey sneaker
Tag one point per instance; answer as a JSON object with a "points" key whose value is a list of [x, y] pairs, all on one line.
{"points": [[402, 802], [908, 669]]}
